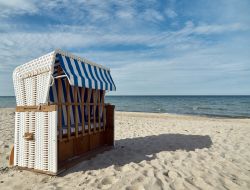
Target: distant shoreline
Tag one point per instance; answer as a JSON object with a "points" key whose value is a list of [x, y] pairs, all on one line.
{"points": [[191, 115], [167, 114]]}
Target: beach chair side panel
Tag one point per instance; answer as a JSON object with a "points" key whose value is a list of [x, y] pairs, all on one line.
{"points": [[36, 140]]}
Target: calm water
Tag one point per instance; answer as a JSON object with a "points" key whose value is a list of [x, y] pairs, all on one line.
{"points": [[225, 106]]}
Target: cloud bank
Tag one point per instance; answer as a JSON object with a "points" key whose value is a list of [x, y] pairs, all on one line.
{"points": [[152, 47]]}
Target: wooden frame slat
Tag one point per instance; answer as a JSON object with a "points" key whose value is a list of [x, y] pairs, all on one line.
{"points": [[76, 111], [94, 108], [103, 110], [88, 103], [99, 110], [68, 109], [72, 104], [42, 108], [83, 110], [59, 100]]}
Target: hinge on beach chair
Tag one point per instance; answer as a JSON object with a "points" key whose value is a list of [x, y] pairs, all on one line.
{"points": [[28, 136]]}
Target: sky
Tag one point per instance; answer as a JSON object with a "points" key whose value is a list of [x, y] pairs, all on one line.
{"points": [[153, 47]]}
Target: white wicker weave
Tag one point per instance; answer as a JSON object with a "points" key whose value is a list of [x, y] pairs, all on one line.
{"points": [[31, 80], [41, 153]]}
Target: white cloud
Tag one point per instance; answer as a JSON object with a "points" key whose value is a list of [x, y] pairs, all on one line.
{"points": [[126, 14], [17, 7], [214, 67], [216, 29], [207, 29], [19, 45], [170, 13], [152, 15], [84, 11]]}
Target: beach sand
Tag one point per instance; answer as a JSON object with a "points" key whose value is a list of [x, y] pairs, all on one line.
{"points": [[153, 151]]}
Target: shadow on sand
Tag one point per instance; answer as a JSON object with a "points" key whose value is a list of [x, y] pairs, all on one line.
{"points": [[142, 148]]}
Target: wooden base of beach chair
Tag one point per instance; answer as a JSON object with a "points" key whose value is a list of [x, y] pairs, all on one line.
{"points": [[84, 146]]}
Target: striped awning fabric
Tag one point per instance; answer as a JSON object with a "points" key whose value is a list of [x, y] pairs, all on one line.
{"points": [[84, 74]]}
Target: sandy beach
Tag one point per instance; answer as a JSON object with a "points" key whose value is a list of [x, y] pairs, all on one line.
{"points": [[153, 151]]}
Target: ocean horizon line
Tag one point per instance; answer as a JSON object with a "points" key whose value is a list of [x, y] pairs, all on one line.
{"points": [[168, 95]]}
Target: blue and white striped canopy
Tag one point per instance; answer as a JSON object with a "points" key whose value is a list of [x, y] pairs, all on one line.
{"points": [[83, 74]]}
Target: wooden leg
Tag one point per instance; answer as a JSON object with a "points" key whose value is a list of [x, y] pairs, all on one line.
{"points": [[11, 157]]}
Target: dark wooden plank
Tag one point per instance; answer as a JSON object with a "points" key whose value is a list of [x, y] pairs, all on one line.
{"points": [[72, 104], [99, 110], [83, 110], [94, 108], [88, 103], [68, 109], [65, 150], [110, 124], [103, 110], [81, 145], [76, 111]]}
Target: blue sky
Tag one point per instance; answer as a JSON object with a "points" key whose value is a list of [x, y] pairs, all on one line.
{"points": [[152, 47]]}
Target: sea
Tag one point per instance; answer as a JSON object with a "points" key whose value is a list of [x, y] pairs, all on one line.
{"points": [[212, 106]]}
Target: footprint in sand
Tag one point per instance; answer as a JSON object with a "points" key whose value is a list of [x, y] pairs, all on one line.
{"points": [[44, 180], [107, 182], [139, 180], [172, 174], [148, 173]]}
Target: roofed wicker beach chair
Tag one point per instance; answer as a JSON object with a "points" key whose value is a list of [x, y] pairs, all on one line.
{"points": [[61, 116]]}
